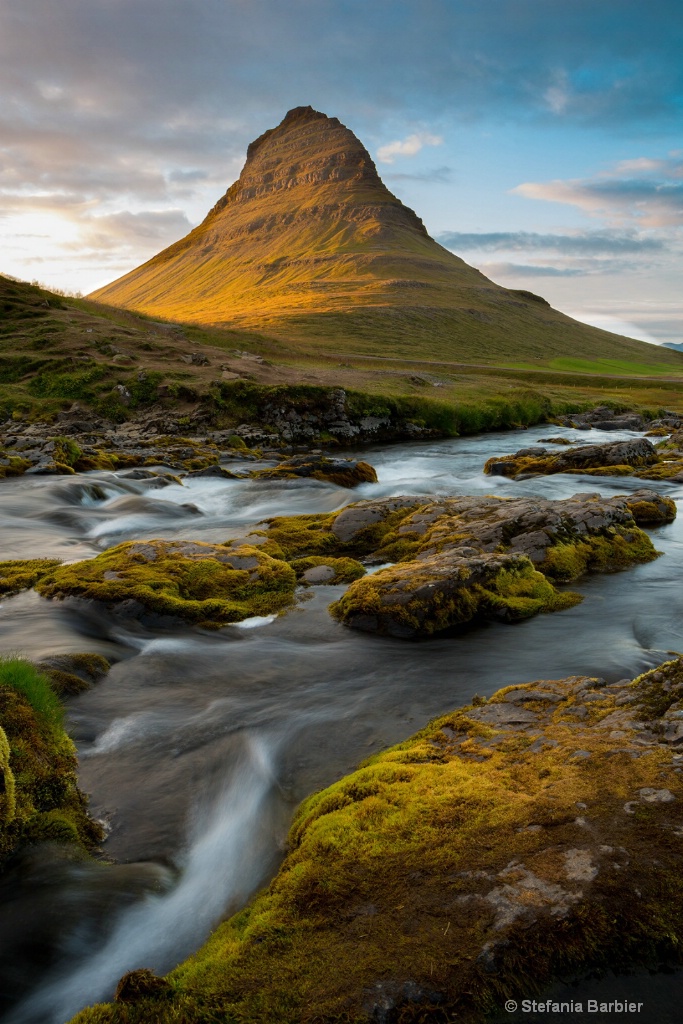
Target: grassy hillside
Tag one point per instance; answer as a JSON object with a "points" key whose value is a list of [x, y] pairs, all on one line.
{"points": [[56, 350]]}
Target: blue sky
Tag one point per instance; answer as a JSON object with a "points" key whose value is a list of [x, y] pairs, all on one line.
{"points": [[541, 141]]}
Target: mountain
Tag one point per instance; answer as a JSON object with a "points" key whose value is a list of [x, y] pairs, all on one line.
{"points": [[310, 246], [675, 346]]}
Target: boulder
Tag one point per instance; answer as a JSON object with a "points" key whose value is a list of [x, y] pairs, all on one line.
{"points": [[206, 584], [471, 558], [617, 458], [343, 472]]}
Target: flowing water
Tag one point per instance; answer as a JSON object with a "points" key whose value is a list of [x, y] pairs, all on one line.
{"points": [[198, 745]]}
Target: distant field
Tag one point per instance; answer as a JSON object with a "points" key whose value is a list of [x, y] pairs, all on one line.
{"points": [[613, 366]]}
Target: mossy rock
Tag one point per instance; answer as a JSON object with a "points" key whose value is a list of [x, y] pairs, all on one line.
{"points": [[427, 596], [24, 573], [614, 458], [478, 861], [12, 465], [466, 559], [40, 800], [70, 674], [341, 570], [367, 528], [343, 472], [206, 584]]}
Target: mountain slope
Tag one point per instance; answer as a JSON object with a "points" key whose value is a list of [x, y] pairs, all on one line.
{"points": [[309, 245]]}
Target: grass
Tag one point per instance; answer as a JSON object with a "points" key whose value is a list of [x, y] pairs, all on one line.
{"points": [[39, 796], [24, 678]]}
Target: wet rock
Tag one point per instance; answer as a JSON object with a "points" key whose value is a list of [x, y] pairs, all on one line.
{"points": [[70, 674], [356, 518], [603, 418], [464, 559], [612, 458], [319, 574], [343, 472], [208, 584]]}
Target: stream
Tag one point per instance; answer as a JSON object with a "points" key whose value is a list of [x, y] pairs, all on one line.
{"points": [[198, 746]]}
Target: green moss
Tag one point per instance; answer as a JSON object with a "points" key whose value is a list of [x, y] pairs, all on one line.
{"points": [[23, 574], [660, 689], [442, 866], [66, 451], [664, 470], [12, 465], [345, 569], [607, 471], [41, 800], [618, 548], [416, 599], [318, 467], [207, 584], [646, 511], [305, 536]]}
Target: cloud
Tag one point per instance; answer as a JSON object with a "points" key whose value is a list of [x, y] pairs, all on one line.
{"points": [[409, 146], [579, 242], [653, 199], [614, 324], [527, 270], [111, 105], [155, 228], [435, 176]]}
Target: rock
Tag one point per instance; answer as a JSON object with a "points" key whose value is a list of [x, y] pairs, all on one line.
{"points": [[466, 559], [356, 518], [208, 584], [440, 865], [612, 458], [603, 418], [123, 394], [343, 472], [319, 574], [73, 673]]}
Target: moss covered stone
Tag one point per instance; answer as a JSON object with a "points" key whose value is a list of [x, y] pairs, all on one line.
{"points": [[70, 674], [39, 796], [471, 558], [207, 584], [23, 574], [476, 862], [343, 472], [327, 570], [636, 457]]}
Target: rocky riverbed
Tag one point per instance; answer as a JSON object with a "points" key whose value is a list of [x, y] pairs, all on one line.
{"points": [[197, 744]]}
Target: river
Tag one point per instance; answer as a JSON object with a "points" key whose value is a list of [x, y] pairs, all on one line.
{"points": [[198, 746]]}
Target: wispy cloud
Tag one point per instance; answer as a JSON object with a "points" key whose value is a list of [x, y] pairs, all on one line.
{"points": [[409, 146], [435, 176], [647, 192], [497, 270], [579, 242]]}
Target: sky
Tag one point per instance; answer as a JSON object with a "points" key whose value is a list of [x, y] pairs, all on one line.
{"points": [[542, 141]]}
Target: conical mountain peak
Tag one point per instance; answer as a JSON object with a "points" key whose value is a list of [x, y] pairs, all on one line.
{"points": [[307, 154], [309, 245]]}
